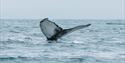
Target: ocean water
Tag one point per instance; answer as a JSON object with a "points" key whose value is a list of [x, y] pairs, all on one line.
{"points": [[21, 41]]}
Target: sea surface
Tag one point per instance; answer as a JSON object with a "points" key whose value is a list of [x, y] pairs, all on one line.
{"points": [[21, 41]]}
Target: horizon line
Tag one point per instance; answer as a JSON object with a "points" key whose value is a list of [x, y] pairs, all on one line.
{"points": [[66, 18]]}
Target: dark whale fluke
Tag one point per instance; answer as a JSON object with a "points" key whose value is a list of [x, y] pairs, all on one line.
{"points": [[52, 31]]}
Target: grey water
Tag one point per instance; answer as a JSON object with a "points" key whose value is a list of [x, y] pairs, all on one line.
{"points": [[21, 41]]}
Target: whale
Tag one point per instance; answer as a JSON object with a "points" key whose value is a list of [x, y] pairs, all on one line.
{"points": [[53, 32]]}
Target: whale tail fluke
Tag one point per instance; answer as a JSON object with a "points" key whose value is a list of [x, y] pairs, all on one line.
{"points": [[52, 31]]}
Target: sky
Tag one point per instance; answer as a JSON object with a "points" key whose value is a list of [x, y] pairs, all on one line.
{"points": [[62, 9]]}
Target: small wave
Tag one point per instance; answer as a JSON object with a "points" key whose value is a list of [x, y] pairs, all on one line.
{"points": [[37, 34], [7, 58], [115, 23], [14, 31], [78, 59], [10, 41], [12, 58], [20, 28]]}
